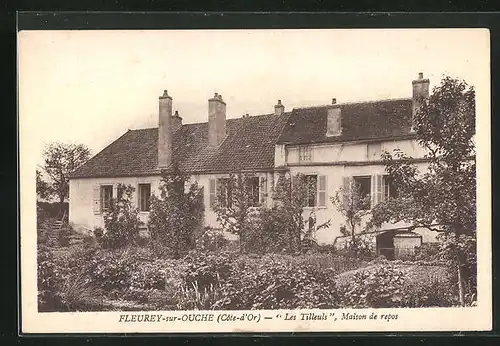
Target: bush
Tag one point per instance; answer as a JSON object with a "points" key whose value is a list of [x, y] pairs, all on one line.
{"points": [[111, 270], [206, 269], [427, 252], [211, 240], [176, 215], [379, 287], [121, 221], [434, 292], [230, 282]]}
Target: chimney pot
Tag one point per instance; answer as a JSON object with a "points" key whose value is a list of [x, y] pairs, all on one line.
{"points": [[176, 114], [279, 108], [420, 75], [334, 101]]}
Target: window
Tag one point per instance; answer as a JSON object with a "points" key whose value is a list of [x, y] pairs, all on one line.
{"points": [[106, 197], [305, 153], [390, 190], [365, 185], [144, 197], [212, 193], [374, 151], [312, 190], [253, 185]]}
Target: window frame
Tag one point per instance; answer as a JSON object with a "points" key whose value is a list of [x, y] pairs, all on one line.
{"points": [[305, 153], [388, 183], [140, 195], [367, 178], [106, 203]]}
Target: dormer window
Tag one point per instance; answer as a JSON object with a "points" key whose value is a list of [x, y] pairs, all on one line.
{"points": [[305, 153]]}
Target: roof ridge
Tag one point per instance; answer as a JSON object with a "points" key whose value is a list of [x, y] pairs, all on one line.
{"points": [[356, 102]]}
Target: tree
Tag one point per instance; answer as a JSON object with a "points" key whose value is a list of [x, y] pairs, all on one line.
{"points": [[351, 204], [290, 196], [237, 195], [444, 197], [42, 187], [59, 161], [176, 214]]}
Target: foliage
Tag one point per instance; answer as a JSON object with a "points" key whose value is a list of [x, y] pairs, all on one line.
{"points": [[121, 221], [351, 204], [234, 205], [43, 190], [434, 292], [377, 288], [60, 160], [111, 270], [176, 215], [427, 251], [211, 240], [444, 197]]}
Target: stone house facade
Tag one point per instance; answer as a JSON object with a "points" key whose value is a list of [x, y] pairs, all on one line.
{"points": [[331, 144]]}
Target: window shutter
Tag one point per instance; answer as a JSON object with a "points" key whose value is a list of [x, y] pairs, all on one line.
{"points": [[322, 191], [97, 199], [345, 186], [373, 190], [263, 190], [380, 188], [212, 192]]}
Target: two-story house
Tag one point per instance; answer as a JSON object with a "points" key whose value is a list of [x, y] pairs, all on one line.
{"points": [[331, 144]]}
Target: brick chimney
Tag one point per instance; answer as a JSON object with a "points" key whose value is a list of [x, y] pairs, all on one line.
{"points": [[279, 109], [176, 122], [420, 92], [216, 120], [165, 131]]}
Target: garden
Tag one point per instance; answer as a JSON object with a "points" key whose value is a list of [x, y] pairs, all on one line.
{"points": [[183, 266]]}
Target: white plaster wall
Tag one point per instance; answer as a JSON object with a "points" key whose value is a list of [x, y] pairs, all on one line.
{"points": [[353, 152], [81, 199], [335, 176]]}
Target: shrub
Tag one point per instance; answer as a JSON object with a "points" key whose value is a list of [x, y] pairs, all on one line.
{"points": [[211, 240], [227, 281], [205, 269], [434, 292], [49, 278], [276, 282], [427, 252], [111, 270], [176, 215], [379, 287], [121, 221]]}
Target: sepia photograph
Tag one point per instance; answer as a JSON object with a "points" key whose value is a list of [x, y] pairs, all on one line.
{"points": [[255, 180]]}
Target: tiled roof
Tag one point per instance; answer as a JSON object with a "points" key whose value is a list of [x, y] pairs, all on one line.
{"points": [[250, 141], [249, 145], [363, 120]]}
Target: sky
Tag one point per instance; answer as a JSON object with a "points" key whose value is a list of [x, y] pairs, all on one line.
{"points": [[90, 87]]}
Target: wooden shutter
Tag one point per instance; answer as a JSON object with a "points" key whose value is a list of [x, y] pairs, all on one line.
{"points": [[376, 189], [97, 199], [263, 190], [345, 186], [322, 191], [380, 188], [212, 192]]}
